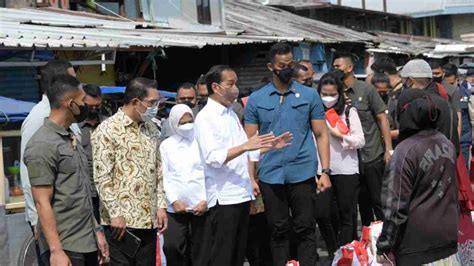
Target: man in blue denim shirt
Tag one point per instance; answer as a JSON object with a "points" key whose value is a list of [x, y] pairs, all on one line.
{"points": [[287, 176]]}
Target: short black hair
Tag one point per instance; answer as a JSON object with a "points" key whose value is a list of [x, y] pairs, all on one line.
{"points": [[333, 78], [304, 61], [61, 85], [279, 49], [50, 70], [215, 75], [434, 64], [299, 68], [384, 65], [450, 69], [138, 88], [380, 78], [186, 86], [344, 55], [92, 90], [201, 80]]}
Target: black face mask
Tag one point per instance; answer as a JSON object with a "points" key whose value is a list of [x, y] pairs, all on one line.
{"points": [[162, 113], [189, 103], [284, 75], [93, 114], [203, 101], [438, 79], [308, 83], [83, 112]]}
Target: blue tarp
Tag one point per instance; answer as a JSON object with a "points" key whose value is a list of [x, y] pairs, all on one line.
{"points": [[12, 110], [118, 89]]}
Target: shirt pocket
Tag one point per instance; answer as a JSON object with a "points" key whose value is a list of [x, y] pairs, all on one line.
{"points": [[300, 110], [266, 114], [363, 111], [67, 162]]}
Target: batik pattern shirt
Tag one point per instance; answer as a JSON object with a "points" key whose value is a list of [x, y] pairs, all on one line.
{"points": [[127, 171]]}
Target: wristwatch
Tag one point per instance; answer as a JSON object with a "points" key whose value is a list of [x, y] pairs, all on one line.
{"points": [[326, 171]]}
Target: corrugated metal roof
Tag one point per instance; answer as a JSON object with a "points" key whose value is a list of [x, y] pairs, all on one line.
{"points": [[32, 28], [257, 19], [407, 44]]}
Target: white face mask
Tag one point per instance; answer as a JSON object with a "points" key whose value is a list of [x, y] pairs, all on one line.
{"points": [[186, 130], [330, 101], [149, 114]]}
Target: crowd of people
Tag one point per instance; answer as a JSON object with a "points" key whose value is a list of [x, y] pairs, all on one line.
{"points": [[225, 178]]}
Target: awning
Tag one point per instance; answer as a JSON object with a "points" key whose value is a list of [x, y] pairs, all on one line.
{"points": [[12, 110]]}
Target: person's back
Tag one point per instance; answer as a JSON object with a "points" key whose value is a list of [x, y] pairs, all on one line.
{"points": [[419, 193], [423, 172]]}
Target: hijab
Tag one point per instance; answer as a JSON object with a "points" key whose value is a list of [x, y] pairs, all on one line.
{"points": [[416, 112], [176, 113]]}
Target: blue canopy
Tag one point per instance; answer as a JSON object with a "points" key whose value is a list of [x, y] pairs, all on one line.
{"points": [[118, 89], [12, 110]]}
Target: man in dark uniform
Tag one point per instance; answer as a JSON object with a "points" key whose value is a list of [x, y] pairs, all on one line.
{"points": [[58, 172], [94, 102]]}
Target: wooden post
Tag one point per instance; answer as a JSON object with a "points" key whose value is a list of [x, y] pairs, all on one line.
{"points": [[363, 4], [384, 5]]}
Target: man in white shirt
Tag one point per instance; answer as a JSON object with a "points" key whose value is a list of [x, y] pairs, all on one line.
{"points": [[33, 122], [225, 150]]}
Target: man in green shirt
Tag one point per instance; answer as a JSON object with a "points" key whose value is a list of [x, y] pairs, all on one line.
{"points": [[58, 172]]}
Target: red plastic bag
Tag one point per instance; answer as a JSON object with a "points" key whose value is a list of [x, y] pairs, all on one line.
{"points": [[353, 254], [335, 121]]}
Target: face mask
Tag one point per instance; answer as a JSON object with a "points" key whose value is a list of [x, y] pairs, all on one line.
{"points": [[186, 130], [438, 79], [308, 83], [330, 101], [93, 114], [284, 75], [203, 101], [149, 114], [83, 112], [229, 95], [189, 103]]}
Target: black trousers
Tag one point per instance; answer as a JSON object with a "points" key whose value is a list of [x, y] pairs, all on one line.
{"points": [[278, 200], [188, 240], [146, 254], [77, 259], [345, 190], [322, 211], [230, 231], [370, 190], [258, 243]]}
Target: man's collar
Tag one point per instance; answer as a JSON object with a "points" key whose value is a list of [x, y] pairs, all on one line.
{"points": [[274, 89], [219, 108], [55, 127], [126, 120], [45, 99]]}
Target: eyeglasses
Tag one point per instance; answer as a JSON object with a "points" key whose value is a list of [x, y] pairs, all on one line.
{"points": [[183, 99], [153, 103]]}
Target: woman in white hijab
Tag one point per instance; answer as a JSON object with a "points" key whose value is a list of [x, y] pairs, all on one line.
{"points": [[185, 189]]}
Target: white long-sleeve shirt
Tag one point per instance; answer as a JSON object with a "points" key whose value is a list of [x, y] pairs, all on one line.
{"points": [[344, 159], [218, 129], [31, 124], [183, 172]]}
